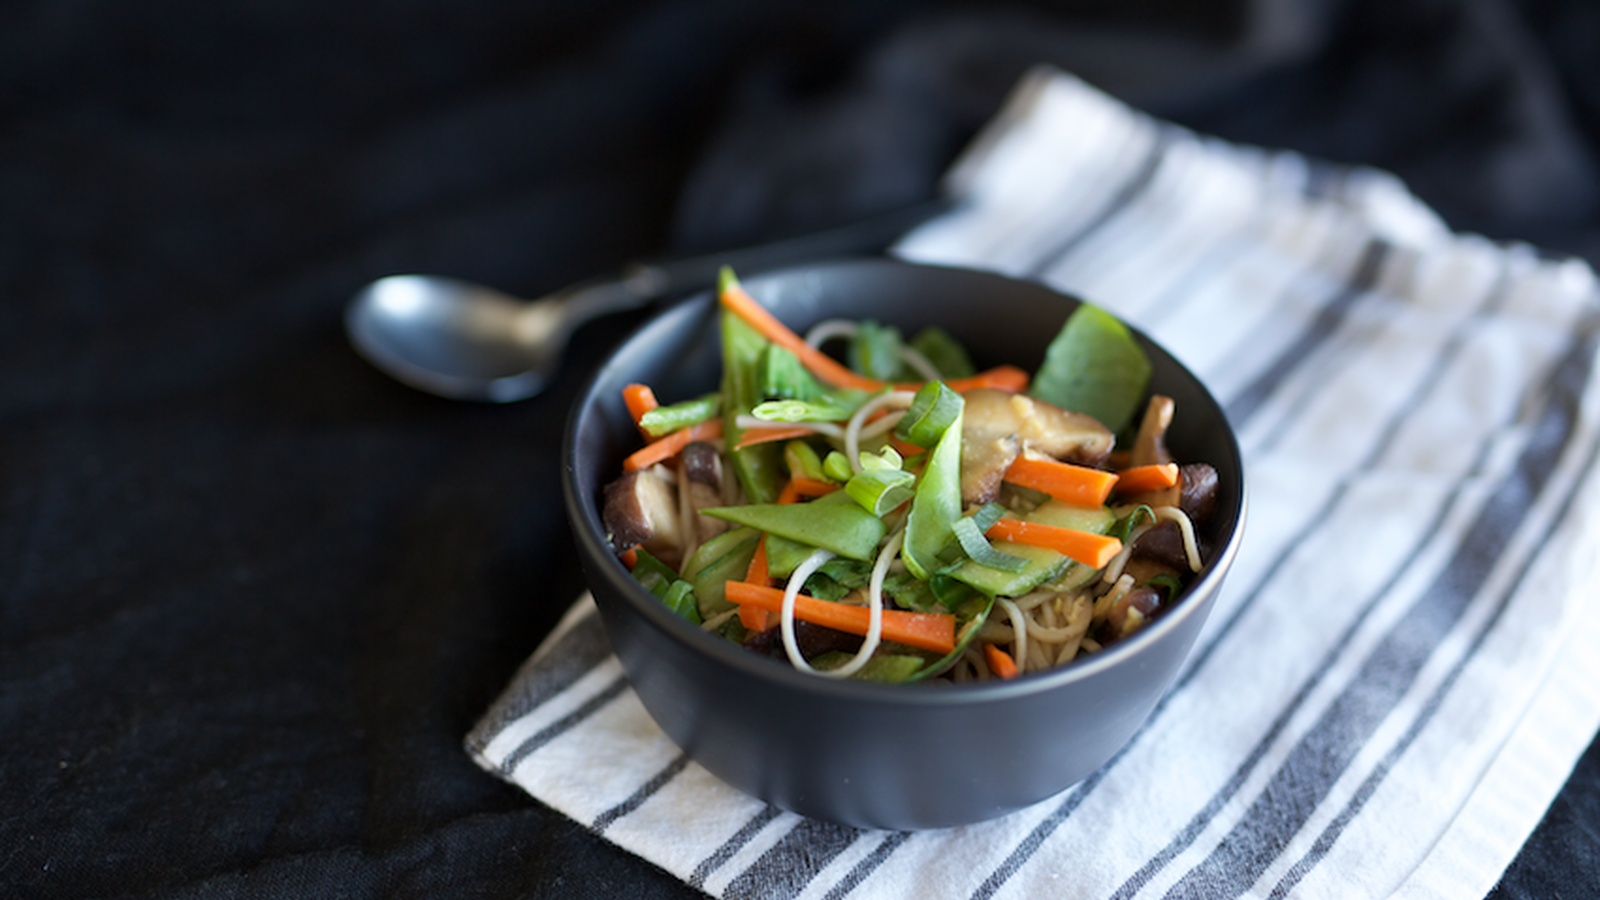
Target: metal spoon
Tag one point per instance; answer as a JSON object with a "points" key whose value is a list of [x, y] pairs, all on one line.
{"points": [[466, 341]]}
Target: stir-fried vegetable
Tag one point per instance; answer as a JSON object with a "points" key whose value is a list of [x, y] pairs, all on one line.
{"points": [[882, 503]]}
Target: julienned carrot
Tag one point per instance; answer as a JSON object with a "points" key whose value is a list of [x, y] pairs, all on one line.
{"points": [[630, 557], [734, 298], [1153, 477], [1004, 378], [1000, 662], [925, 631], [666, 448], [754, 618], [757, 572], [767, 434], [799, 486], [639, 399], [1077, 485], [1094, 550]]}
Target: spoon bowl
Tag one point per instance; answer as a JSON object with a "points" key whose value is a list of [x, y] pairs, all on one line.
{"points": [[468, 341]]}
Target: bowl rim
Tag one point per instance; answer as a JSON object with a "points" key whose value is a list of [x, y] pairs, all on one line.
{"points": [[588, 531]]}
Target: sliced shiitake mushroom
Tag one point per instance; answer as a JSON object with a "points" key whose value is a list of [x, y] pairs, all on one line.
{"points": [[998, 426]]}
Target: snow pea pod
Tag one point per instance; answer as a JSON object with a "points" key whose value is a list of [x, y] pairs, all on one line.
{"points": [[834, 522]]}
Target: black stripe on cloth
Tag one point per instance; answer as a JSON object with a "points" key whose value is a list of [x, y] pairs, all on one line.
{"points": [[1325, 752], [1021, 854], [564, 724], [1369, 786], [1226, 253], [1138, 180], [867, 865], [732, 845], [1244, 404], [635, 800], [1024, 851], [1197, 825], [573, 655], [788, 866]]}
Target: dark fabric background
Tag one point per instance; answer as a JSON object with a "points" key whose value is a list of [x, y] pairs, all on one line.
{"points": [[252, 594]]}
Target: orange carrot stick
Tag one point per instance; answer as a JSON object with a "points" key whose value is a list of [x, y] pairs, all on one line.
{"points": [[1084, 546], [800, 486], [1005, 378], [639, 399], [757, 572], [768, 434], [1000, 662], [1153, 477], [1077, 485], [926, 631], [667, 447], [754, 618], [735, 299]]}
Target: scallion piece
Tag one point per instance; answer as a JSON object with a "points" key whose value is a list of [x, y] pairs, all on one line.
{"points": [[880, 490], [981, 551], [826, 407], [931, 412]]}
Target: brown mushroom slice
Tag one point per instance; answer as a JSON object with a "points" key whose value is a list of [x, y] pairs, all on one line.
{"points": [[1197, 484], [1150, 445], [702, 469], [641, 509], [1150, 448], [1162, 544], [998, 426]]}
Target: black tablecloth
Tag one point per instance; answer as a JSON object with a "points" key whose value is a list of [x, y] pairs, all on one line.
{"points": [[253, 594]]}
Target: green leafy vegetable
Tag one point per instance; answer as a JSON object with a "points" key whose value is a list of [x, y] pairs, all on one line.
{"points": [[875, 350], [783, 376], [1094, 366], [659, 579], [946, 353]]}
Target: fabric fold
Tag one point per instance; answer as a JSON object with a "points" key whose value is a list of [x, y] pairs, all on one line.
{"points": [[1393, 685]]}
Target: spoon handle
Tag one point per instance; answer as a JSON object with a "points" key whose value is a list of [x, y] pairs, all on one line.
{"points": [[647, 282]]}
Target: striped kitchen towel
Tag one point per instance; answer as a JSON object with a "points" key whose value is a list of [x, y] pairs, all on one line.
{"points": [[1395, 682]]}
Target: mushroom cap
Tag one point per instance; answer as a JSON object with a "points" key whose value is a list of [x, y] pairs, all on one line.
{"points": [[998, 426]]}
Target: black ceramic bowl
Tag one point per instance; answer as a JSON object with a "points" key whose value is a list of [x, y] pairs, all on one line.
{"points": [[871, 755]]}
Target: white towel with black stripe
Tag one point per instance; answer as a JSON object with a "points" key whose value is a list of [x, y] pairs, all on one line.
{"points": [[1396, 680]]}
